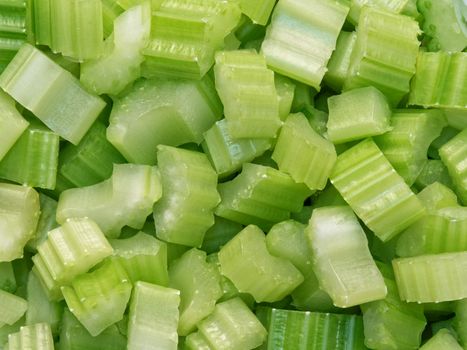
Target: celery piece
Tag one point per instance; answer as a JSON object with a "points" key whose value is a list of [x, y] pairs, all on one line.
{"points": [[111, 9], [219, 234], [247, 30], [374, 190], [127, 198], [184, 110], [446, 134], [299, 42], [246, 261], [12, 124], [35, 337], [460, 320], [285, 89], [7, 277], [12, 306], [35, 81], [309, 296], [143, 257], [341, 259], [431, 278], [258, 11], [357, 114], [19, 213], [437, 196], [260, 195], [46, 222], [406, 145], [433, 171], [393, 6], [385, 53], [440, 80], [199, 286], [456, 117], [301, 152], [303, 97], [442, 340], [317, 119], [327, 197], [302, 216], [153, 317]]}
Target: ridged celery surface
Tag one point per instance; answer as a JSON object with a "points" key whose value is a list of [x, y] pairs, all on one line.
{"points": [[7, 277], [50, 92], [184, 110], [153, 317], [246, 261], [433, 171], [442, 340], [46, 223], [437, 196], [299, 42], [385, 53], [127, 198], [257, 11], [12, 306], [393, 6], [12, 124], [34, 337], [374, 190], [19, 213]]}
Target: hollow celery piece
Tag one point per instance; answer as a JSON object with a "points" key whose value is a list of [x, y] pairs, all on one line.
{"points": [[219, 234], [127, 198], [184, 110], [7, 277], [385, 53], [394, 6], [304, 154], [442, 340], [258, 11], [46, 223], [246, 261], [433, 171], [297, 35], [460, 321], [12, 124], [19, 213], [153, 317], [37, 336], [12, 306], [199, 286], [374, 190], [35, 81], [437, 196], [285, 89]]}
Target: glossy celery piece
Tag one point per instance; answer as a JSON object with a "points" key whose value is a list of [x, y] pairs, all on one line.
{"points": [[185, 211], [442, 340], [385, 53], [143, 257], [257, 11], [184, 110], [247, 90], [19, 213], [440, 80], [12, 306], [46, 223], [431, 278], [35, 81], [219, 234], [374, 190], [231, 326], [153, 317], [357, 114], [301, 152], [36, 337], [460, 321], [437, 196], [69, 251], [199, 286], [246, 261], [12, 124], [394, 6], [433, 171], [7, 277], [260, 195], [285, 89], [127, 198], [299, 42]]}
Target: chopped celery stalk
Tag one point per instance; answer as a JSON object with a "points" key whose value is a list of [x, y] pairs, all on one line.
{"points": [[37, 336], [317, 119], [431, 278], [446, 134], [143, 257], [12, 306], [219, 234], [51, 93], [456, 117], [341, 259], [231, 326], [7, 277], [260, 195], [246, 261], [374, 190], [442, 340], [433, 171], [394, 6], [285, 89], [69, 251], [19, 213], [309, 295], [437, 196], [46, 222], [153, 317], [304, 215], [328, 197], [460, 320], [199, 286], [185, 211], [247, 30], [184, 110], [385, 53], [299, 42], [301, 152], [258, 11], [99, 298], [127, 198], [120, 64], [12, 124], [111, 9], [304, 95]]}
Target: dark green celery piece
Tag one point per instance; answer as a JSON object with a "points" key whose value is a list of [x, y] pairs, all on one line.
{"points": [[258, 11], [184, 110], [299, 42], [330, 196], [460, 320], [6, 330], [246, 261], [303, 96], [219, 234], [36, 336], [446, 134], [385, 53], [317, 119], [12, 124], [437, 196], [374, 190], [456, 117], [395, 6], [46, 222], [302, 216], [248, 31], [433, 171], [285, 89], [7, 277], [442, 340], [13, 308]]}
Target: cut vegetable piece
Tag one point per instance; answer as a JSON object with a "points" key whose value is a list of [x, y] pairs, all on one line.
{"points": [[7, 277], [460, 321], [285, 89], [299, 42], [219, 234], [12, 124], [303, 97], [456, 117], [433, 171], [258, 11], [442, 340], [35, 81], [393, 6], [309, 296], [437, 196], [246, 261], [35, 337], [111, 9], [46, 223], [12, 306], [446, 134]]}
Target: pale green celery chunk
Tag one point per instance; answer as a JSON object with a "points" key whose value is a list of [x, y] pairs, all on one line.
{"points": [[153, 317], [12, 306], [394, 6], [442, 340], [433, 171], [183, 111], [299, 42], [285, 89], [35, 81], [37, 336], [19, 213], [246, 261], [7, 277], [127, 198], [437, 196], [258, 11], [12, 124], [46, 222], [460, 321]]}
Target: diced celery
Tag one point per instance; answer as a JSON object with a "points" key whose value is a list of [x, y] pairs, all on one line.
{"points": [[456, 117], [394, 6], [446, 134], [46, 223], [247, 30], [12, 306], [304, 215], [309, 296], [303, 97], [460, 320], [35, 337], [12, 124], [317, 119], [433, 171], [442, 340], [6, 330], [7, 277], [285, 89], [258, 11], [437, 196], [219, 234], [111, 9], [328, 197]]}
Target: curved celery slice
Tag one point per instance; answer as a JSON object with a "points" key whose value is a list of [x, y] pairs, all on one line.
{"points": [[219, 234], [51, 93], [126, 198], [36, 336], [246, 261], [183, 111], [12, 124], [437, 196], [393, 6], [374, 190], [185, 211], [7, 277], [442, 340], [46, 222], [433, 171], [19, 213], [12, 306]]}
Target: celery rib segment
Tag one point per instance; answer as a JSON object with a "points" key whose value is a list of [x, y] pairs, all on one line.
{"points": [[443, 339], [12, 124], [257, 11], [46, 223], [35, 337], [13, 308], [393, 6]]}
